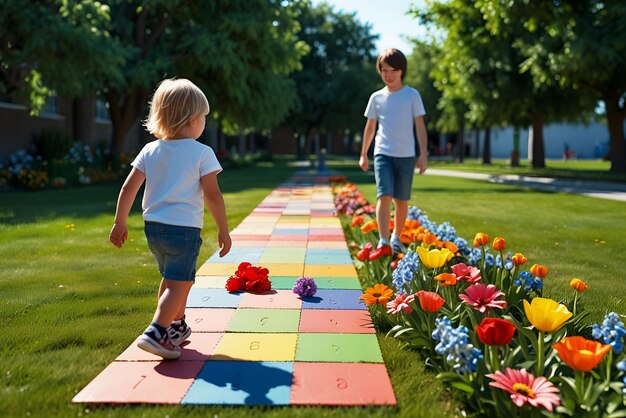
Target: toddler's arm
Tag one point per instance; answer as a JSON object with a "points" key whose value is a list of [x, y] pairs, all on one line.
{"points": [[129, 190], [215, 202]]}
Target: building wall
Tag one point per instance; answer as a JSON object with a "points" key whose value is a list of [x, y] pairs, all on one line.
{"points": [[588, 141]]}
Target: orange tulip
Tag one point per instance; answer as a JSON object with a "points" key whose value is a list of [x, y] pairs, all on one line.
{"points": [[499, 244], [369, 226], [581, 354], [357, 221], [519, 259], [481, 239], [451, 246], [446, 279], [539, 270], [578, 285]]}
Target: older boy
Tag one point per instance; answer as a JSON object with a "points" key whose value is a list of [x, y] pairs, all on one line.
{"points": [[396, 109]]}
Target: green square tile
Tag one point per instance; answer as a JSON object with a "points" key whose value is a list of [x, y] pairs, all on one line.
{"points": [[283, 282], [265, 320], [348, 348]]}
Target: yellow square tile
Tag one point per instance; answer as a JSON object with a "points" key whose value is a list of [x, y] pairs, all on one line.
{"points": [[217, 269], [281, 269], [329, 270], [256, 347], [211, 282]]}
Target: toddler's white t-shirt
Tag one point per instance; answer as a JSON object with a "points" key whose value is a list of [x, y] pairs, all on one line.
{"points": [[395, 113], [173, 193]]}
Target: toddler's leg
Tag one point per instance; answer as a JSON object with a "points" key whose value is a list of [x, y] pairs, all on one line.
{"points": [[172, 301]]}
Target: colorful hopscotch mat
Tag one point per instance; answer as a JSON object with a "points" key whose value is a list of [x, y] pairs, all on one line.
{"points": [[275, 348]]}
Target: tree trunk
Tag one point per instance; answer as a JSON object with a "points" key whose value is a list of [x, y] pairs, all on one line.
{"points": [[124, 110], [515, 152], [460, 144], [477, 144], [615, 120], [487, 147], [539, 155]]}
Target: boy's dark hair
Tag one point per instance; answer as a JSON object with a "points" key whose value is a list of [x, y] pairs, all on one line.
{"points": [[394, 58]]}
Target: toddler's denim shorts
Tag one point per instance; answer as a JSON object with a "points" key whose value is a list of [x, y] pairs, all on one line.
{"points": [[394, 176], [175, 248]]}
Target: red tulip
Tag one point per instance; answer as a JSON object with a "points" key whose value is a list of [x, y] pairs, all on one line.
{"points": [[430, 301], [495, 331]]}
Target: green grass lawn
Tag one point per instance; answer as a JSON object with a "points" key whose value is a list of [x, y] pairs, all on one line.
{"points": [[72, 302]]}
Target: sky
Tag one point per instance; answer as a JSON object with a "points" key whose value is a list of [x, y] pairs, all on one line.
{"points": [[387, 18]]}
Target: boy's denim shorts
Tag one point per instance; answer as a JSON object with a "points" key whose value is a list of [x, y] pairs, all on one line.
{"points": [[394, 176], [175, 248]]}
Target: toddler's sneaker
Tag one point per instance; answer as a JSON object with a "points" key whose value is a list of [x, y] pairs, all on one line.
{"points": [[161, 345], [397, 245], [179, 331]]}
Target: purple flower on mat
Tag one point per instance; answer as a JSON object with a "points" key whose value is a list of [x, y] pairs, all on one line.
{"points": [[305, 286]]}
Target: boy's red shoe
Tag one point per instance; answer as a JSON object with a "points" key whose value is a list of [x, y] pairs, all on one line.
{"points": [[385, 250]]}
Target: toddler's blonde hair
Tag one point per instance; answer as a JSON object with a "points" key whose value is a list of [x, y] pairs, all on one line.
{"points": [[175, 103]]}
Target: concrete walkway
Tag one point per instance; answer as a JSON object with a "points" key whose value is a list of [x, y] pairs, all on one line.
{"points": [[599, 189]]}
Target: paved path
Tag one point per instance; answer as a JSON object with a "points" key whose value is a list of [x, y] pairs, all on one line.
{"points": [[274, 348], [599, 189]]}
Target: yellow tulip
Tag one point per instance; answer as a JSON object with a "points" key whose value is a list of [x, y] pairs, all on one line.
{"points": [[546, 314], [434, 258]]}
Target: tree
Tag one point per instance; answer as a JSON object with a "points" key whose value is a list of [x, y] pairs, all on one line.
{"points": [[577, 44], [421, 63], [480, 68], [337, 76], [238, 51], [58, 45]]}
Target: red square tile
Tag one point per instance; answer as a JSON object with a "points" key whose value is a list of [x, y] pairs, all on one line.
{"points": [[141, 382], [341, 384], [336, 321]]}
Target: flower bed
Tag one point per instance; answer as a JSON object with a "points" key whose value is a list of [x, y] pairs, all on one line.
{"points": [[480, 319]]}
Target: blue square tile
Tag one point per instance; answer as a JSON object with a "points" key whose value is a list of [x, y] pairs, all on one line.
{"points": [[212, 298], [242, 383]]}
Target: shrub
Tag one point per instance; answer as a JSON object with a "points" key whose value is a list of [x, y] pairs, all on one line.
{"points": [[52, 143]]}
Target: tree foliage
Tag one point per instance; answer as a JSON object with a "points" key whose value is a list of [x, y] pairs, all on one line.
{"points": [[481, 69], [239, 51], [577, 44], [338, 74]]}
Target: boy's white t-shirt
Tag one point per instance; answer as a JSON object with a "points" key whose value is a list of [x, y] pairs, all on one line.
{"points": [[173, 194], [395, 113]]}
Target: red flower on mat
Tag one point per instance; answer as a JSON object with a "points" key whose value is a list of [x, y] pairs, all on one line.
{"points": [[253, 279], [235, 284]]}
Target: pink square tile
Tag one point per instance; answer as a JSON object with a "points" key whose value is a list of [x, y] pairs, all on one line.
{"points": [[198, 347], [208, 320], [274, 299]]}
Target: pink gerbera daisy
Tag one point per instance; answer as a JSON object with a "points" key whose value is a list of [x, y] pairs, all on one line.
{"points": [[481, 296], [462, 271], [524, 387], [401, 302]]}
